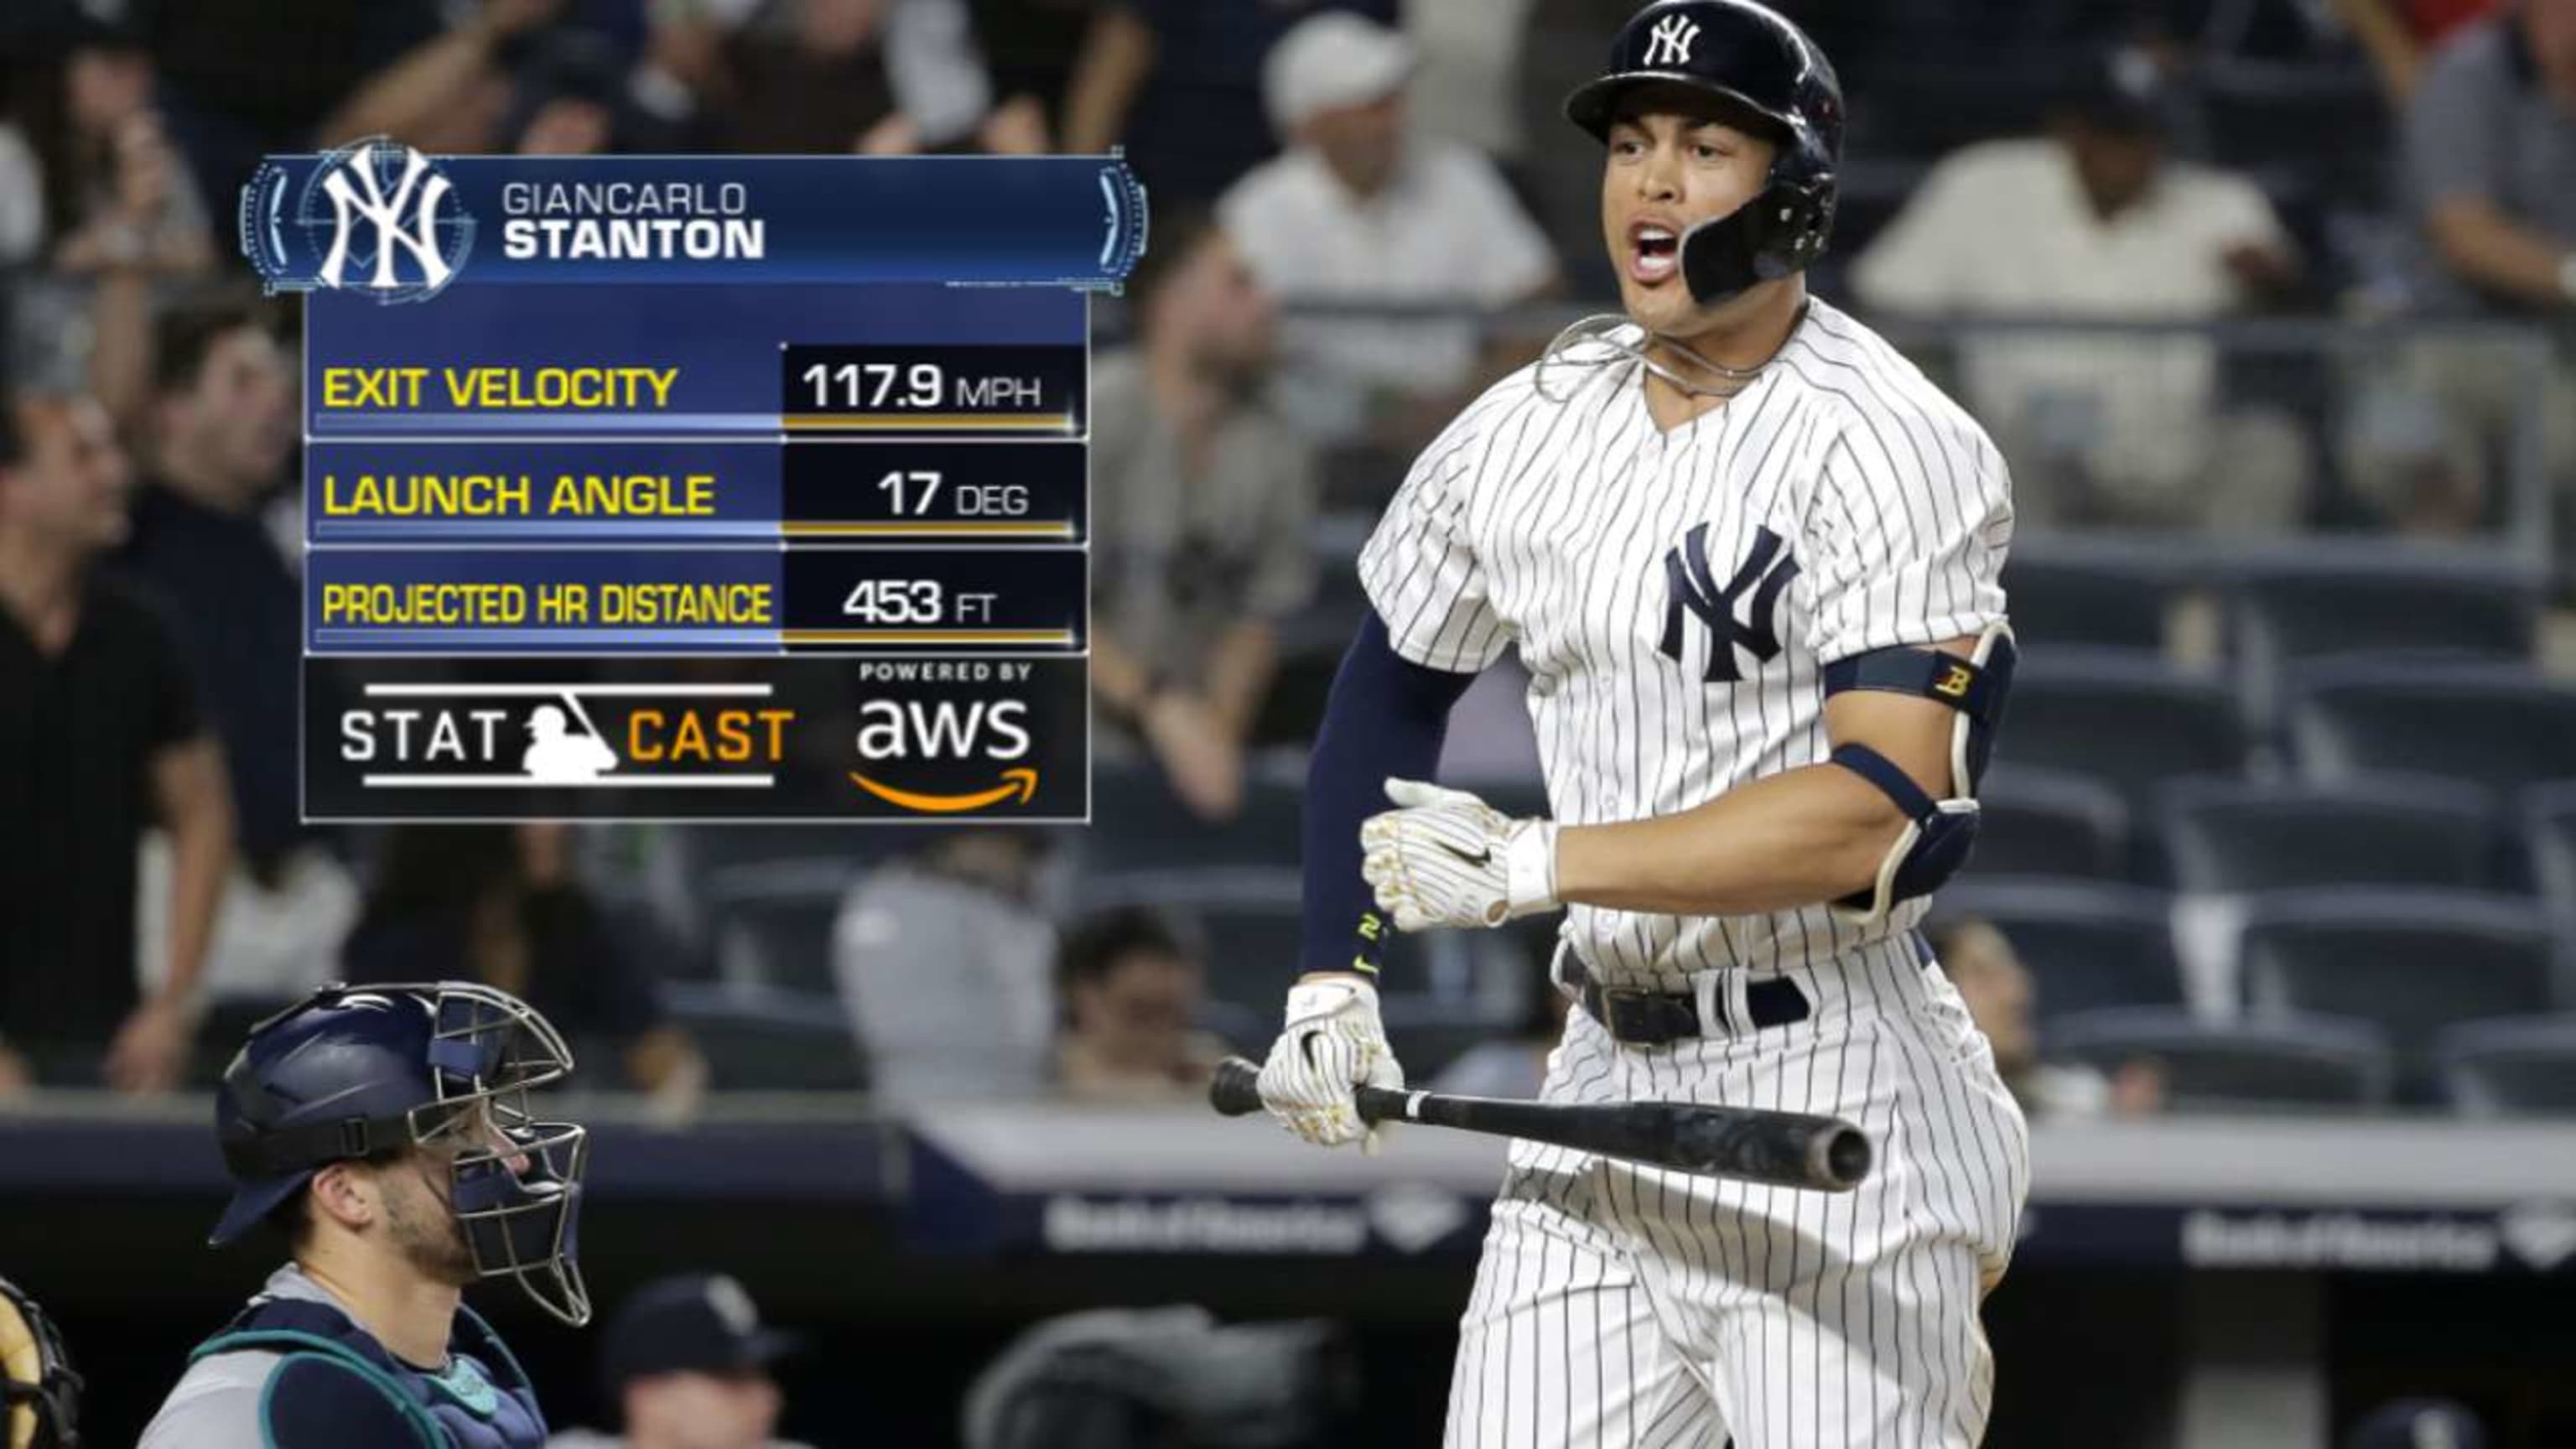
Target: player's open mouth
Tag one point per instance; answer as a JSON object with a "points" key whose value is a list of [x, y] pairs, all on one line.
{"points": [[1654, 252]]}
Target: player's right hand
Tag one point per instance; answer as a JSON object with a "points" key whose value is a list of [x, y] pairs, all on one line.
{"points": [[1333, 1042]]}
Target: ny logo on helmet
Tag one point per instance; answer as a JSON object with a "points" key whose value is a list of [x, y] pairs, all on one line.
{"points": [[377, 230], [1670, 42], [1690, 585]]}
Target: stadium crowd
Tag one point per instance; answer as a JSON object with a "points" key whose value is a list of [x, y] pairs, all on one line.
{"points": [[2269, 304]]}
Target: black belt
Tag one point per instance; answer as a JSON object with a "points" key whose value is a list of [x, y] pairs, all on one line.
{"points": [[1660, 1018]]}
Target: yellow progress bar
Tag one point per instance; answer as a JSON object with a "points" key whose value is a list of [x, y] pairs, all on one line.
{"points": [[927, 530], [927, 636], [901, 422]]}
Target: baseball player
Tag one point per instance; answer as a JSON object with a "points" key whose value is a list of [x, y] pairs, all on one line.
{"points": [[386, 1131], [1749, 558]]}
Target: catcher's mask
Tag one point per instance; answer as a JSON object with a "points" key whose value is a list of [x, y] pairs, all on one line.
{"points": [[443, 1066], [39, 1392]]}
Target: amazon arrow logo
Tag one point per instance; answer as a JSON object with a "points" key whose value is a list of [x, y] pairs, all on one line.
{"points": [[1022, 782], [951, 733]]}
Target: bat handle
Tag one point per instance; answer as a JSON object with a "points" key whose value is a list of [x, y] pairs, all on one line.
{"points": [[1235, 1091]]}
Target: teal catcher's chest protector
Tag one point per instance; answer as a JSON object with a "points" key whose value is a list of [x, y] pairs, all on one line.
{"points": [[482, 1400]]}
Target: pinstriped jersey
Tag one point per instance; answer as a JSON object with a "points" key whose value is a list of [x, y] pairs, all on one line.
{"points": [[1675, 596]]}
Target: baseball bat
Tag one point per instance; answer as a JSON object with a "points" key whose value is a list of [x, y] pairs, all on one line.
{"points": [[1748, 1144]]}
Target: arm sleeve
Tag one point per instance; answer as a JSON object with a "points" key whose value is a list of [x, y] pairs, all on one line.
{"points": [[1385, 718], [1911, 521], [1419, 568]]}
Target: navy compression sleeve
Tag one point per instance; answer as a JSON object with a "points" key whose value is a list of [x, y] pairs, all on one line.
{"points": [[1386, 718]]}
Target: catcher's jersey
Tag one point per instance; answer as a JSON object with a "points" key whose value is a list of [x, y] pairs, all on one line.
{"points": [[1675, 596]]}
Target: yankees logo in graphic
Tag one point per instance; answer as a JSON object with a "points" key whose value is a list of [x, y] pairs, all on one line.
{"points": [[1669, 43], [1767, 570]]}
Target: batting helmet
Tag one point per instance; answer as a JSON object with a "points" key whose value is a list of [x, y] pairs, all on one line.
{"points": [[352, 1073], [1755, 58], [39, 1393]]}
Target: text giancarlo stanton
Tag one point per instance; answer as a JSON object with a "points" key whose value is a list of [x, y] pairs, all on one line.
{"points": [[644, 221]]}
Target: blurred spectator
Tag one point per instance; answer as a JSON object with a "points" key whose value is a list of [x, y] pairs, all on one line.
{"points": [[1471, 52], [116, 195], [1179, 82], [2490, 186], [450, 93], [686, 1365], [1201, 504], [2096, 220], [222, 427], [882, 77], [1517, 1066], [570, 99], [501, 905], [100, 740], [944, 962], [1357, 212], [1030, 46], [2399, 35], [2001, 999], [2418, 1424], [244, 78], [1132, 988]]}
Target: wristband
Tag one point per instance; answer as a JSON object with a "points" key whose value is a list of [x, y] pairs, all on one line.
{"points": [[1529, 867]]}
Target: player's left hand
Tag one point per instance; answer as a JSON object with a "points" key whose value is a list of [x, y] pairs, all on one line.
{"points": [[1447, 858]]}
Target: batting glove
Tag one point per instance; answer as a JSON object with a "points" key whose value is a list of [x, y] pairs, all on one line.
{"points": [[1449, 859], [1333, 1042]]}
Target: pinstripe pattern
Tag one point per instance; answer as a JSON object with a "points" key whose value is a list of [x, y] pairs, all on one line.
{"points": [[1619, 1305]]}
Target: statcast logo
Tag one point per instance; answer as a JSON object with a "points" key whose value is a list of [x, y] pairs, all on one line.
{"points": [[384, 219], [550, 736], [912, 752]]}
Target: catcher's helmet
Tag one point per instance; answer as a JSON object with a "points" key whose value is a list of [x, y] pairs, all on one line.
{"points": [[357, 1072], [1754, 57], [39, 1393]]}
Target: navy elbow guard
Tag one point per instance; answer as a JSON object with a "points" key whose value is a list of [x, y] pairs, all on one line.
{"points": [[1939, 834]]}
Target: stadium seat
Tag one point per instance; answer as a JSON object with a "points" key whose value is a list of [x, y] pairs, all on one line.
{"points": [[2235, 836], [2313, 605], [2087, 944], [2084, 593], [2496, 725], [2510, 1068], [773, 923], [2413, 961], [1138, 824], [769, 1041], [2131, 720], [2040, 822], [2296, 1061]]}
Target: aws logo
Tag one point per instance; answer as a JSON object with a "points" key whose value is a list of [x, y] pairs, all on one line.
{"points": [[946, 757]]}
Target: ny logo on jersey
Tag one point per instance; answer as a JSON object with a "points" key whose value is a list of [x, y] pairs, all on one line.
{"points": [[1670, 42], [1766, 570]]}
